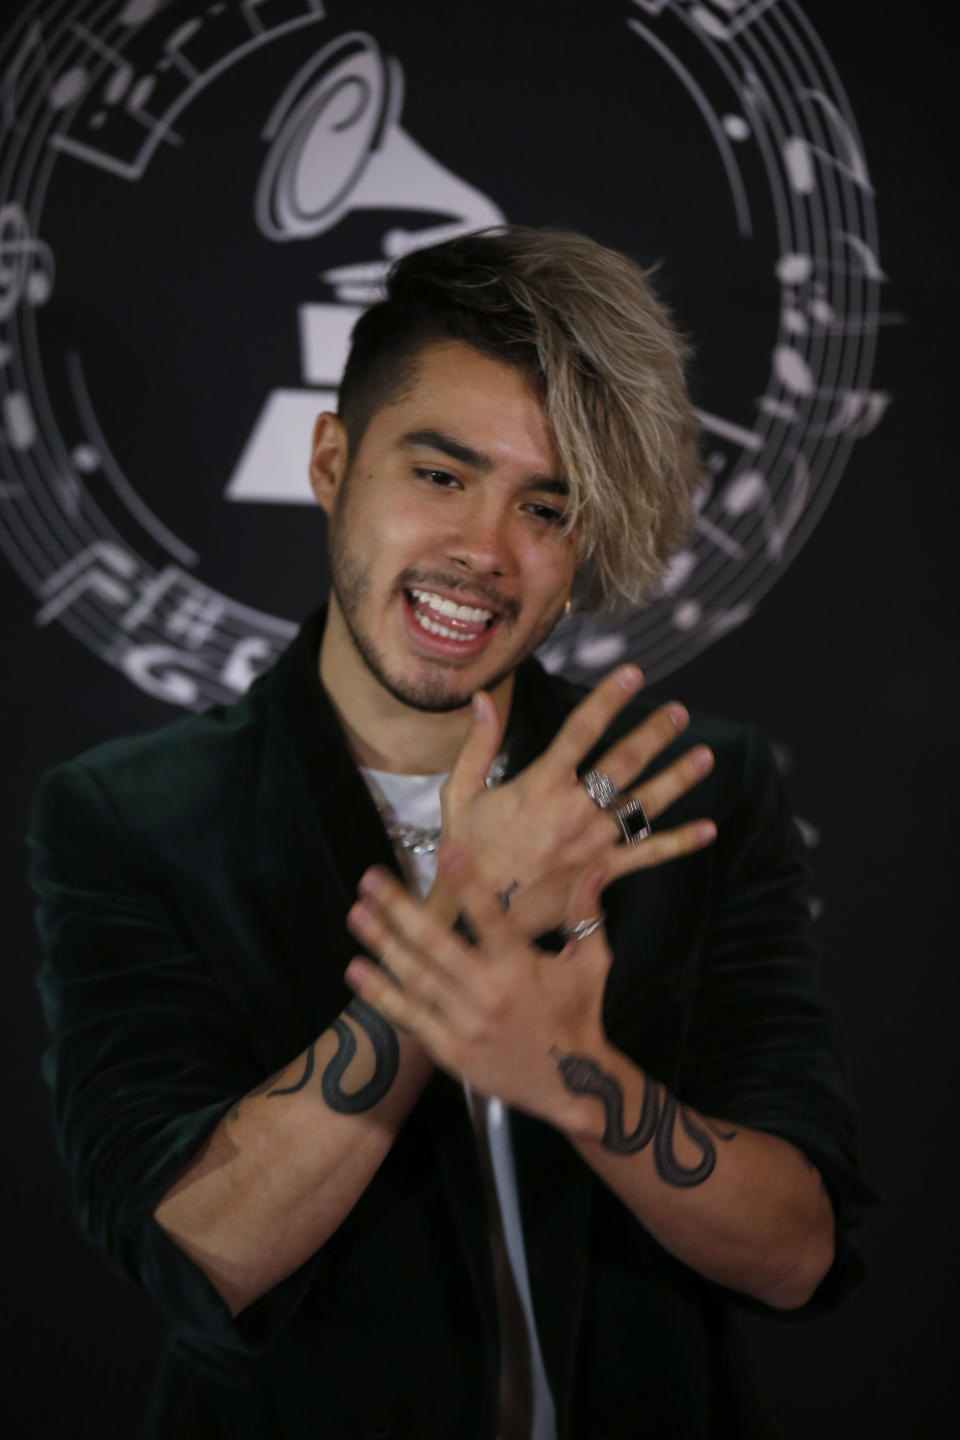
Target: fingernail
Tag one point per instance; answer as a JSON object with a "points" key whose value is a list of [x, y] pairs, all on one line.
{"points": [[358, 914], [356, 973], [371, 880], [476, 706], [706, 831], [678, 715], [702, 760], [630, 678]]}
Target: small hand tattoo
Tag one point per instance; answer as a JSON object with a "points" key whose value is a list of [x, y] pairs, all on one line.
{"points": [[504, 895]]}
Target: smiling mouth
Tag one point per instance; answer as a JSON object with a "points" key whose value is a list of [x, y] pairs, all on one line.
{"points": [[446, 619]]}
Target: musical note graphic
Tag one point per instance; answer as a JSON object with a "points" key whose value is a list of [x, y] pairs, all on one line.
{"points": [[248, 659], [751, 491], [138, 12], [858, 412], [686, 615], [19, 424], [173, 48], [793, 372], [799, 153], [601, 651], [679, 569], [735, 126], [742, 12], [127, 104], [26, 263], [721, 622], [67, 88], [869, 264], [728, 430], [192, 617], [103, 568], [86, 458]]}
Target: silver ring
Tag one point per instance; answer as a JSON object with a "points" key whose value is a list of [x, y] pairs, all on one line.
{"points": [[630, 814], [601, 789], [583, 928], [633, 821]]}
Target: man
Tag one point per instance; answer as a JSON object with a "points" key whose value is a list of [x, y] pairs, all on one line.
{"points": [[347, 1237]]}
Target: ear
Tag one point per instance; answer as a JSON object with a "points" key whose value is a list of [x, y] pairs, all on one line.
{"points": [[328, 459]]}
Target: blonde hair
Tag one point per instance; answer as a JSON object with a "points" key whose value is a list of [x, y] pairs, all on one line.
{"points": [[586, 325]]}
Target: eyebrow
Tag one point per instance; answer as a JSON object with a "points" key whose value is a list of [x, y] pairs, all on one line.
{"points": [[466, 455]]}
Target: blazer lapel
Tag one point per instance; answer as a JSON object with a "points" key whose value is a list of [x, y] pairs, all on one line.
{"points": [[317, 828]]}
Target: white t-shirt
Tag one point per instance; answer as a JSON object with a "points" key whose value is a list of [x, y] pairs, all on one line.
{"points": [[415, 800]]}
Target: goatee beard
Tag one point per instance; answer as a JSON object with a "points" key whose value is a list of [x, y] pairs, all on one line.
{"points": [[436, 691]]}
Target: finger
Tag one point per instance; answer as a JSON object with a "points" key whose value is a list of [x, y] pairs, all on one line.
{"points": [[658, 794], [411, 927], [585, 897], [585, 907], [478, 752], [406, 965], [484, 911], [584, 725], [404, 1011], [659, 848], [629, 757]]}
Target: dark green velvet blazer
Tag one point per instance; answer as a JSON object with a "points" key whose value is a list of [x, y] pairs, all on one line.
{"points": [[192, 889]]}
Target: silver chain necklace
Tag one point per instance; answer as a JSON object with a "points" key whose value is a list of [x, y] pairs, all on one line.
{"points": [[425, 839]]}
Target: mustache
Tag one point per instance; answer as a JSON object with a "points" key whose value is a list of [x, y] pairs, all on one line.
{"points": [[478, 590]]}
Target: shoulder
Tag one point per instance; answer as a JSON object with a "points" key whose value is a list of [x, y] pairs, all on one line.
{"points": [[163, 779]]}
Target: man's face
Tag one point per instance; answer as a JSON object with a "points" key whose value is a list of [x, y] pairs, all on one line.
{"points": [[448, 565]]}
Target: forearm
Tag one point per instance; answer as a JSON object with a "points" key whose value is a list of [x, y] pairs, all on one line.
{"points": [[286, 1165], [744, 1208]]}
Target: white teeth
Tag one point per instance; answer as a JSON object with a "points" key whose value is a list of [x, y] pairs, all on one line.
{"points": [[436, 628], [443, 606]]}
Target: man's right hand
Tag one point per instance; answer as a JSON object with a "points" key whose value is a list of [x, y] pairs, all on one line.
{"points": [[533, 837]]}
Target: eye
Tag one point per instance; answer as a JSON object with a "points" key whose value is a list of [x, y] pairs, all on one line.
{"points": [[440, 478], [548, 513]]}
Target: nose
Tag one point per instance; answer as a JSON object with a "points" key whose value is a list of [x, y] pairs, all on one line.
{"points": [[481, 541]]}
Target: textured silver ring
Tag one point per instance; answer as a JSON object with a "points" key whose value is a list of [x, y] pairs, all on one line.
{"points": [[583, 928], [601, 789]]}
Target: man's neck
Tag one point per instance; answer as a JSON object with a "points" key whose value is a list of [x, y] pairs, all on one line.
{"points": [[383, 732]]}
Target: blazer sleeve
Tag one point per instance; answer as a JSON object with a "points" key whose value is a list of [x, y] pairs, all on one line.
{"points": [[147, 1053], [762, 1045]]}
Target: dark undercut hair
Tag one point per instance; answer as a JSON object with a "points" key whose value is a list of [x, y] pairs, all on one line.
{"points": [[450, 291], [583, 324]]}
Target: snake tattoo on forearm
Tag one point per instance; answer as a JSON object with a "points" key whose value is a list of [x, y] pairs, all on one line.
{"points": [[386, 1053], [657, 1122]]}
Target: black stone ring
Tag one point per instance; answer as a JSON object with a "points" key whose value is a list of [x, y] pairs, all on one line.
{"points": [[630, 814], [633, 822]]}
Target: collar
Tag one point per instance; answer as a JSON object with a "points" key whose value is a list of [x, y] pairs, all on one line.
{"points": [[300, 703]]}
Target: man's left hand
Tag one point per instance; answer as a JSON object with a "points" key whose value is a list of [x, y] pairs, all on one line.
{"points": [[495, 1014]]}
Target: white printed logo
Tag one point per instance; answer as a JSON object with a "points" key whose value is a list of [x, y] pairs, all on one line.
{"points": [[120, 92]]}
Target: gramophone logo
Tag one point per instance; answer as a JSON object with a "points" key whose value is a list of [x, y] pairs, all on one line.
{"points": [[337, 145], [126, 126]]}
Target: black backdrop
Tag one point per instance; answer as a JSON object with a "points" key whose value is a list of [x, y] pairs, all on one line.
{"points": [[837, 637]]}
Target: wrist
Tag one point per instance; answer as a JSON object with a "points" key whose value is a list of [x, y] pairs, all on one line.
{"points": [[589, 1072]]}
